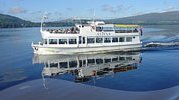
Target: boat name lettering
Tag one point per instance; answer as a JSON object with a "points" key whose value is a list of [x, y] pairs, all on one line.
{"points": [[101, 34]]}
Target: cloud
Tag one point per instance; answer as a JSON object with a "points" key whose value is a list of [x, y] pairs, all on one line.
{"points": [[136, 13], [112, 9], [36, 12], [17, 10], [69, 9], [108, 8], [170, 8]]}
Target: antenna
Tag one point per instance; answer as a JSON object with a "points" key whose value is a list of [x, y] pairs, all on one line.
{"points": [[93, 15], [80, 20], [43, 18]]}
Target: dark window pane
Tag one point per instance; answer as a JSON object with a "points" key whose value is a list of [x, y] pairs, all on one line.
{"points": [[62, 41], [72, 41], [115, 39], [90, 40], [52, 41], [99, 61], [107, 40], [128, 39], [99, 40], [121, 39], [63, 65], [53, 64], [72, 64]]}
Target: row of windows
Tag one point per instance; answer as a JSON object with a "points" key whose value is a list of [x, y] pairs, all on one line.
{"points": [[109, 40], [99, 29], [90, 40], [61, 41], [117, 29], [89, 61]]}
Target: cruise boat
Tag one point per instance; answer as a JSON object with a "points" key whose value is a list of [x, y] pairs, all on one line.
{"points": [[92, 37], [86, 66]]}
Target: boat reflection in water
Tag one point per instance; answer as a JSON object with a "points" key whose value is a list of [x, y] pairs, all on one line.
{"points": [[84, 67]]}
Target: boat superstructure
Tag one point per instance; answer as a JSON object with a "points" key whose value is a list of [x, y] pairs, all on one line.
{"points": [[92, 37]]}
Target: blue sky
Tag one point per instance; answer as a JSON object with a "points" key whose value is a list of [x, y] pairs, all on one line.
{"points": [[61, 9]]}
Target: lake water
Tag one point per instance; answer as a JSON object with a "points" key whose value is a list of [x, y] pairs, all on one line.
{"points": [[148, 70]]}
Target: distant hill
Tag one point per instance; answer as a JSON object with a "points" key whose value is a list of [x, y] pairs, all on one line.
{"points": [[151, 18], [7, 21]]}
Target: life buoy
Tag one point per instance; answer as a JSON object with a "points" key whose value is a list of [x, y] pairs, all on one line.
{"points": [[36, 48]]}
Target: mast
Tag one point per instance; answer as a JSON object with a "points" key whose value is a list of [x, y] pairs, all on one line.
{"points": [[93, 15], [42, 20], [41, 26]]}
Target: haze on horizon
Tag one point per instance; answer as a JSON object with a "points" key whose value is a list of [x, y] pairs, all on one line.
{"points": [[33, 10]]}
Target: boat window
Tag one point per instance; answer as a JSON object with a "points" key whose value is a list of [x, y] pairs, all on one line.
{"points": [[72, 64], [107, 60], [84, 62], [52, 41], [72, 41], [121, 39], [108, 29], [128, 39], [80, 63], [124, 30], [63, 65], [122, 58], [83, 40], [120, 30], [99, 40], [53, 64], [107, 40], [91, 61], [80, 40], [45, 41], [99, 29], [115, 59], [135, 30], [128, 58], [114, 39], [90, 40], [99, 61], [62, 41], [46, 65]]}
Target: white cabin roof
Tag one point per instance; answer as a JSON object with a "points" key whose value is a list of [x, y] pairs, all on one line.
{"points": [[96, 23]]}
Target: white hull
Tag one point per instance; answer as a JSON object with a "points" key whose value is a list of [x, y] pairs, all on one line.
{"points": [[44, 50]]}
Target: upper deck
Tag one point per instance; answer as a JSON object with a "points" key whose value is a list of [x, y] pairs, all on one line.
{"points": [[92, 29]]}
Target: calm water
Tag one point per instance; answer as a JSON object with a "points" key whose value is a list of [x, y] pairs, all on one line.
{"points": [[133, 71]]}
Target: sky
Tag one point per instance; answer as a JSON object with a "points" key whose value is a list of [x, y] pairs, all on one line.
{"points": [[33, 10]]}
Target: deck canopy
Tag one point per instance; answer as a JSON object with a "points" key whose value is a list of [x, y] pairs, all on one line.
{"points": [[126, 26]]}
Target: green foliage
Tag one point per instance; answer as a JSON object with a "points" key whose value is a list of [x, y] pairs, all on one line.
{"points": [[7, 21]]}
